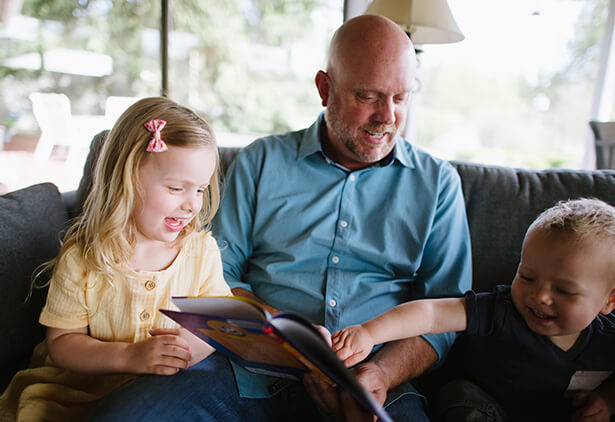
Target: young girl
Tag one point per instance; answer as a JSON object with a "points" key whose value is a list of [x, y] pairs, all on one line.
{"points": [[138, 242]]}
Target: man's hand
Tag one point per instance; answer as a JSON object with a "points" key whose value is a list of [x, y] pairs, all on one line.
{"points": [[373, 379], [337, 406], [341, 406], [590, 406], [352, 344]]}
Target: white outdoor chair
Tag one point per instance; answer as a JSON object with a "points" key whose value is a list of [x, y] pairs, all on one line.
{"points": [[115, 106], [53, 115]]}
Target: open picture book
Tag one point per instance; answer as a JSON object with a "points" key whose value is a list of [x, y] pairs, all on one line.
{"points": [[285, 345]]}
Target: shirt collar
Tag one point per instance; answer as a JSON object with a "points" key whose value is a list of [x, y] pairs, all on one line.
{"points": [[310, 143], [312, 139]]}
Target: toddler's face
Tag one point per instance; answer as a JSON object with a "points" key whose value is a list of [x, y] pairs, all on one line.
{"points": [[172, 185], [562, 284]]}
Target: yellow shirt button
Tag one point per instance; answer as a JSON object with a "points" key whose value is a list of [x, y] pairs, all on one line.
{"points": [[144, 316], [150, 284]]}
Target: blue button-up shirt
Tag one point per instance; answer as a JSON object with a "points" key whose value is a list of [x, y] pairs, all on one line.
{"points": [[339, 247]]}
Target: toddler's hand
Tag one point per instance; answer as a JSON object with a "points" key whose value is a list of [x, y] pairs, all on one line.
{"points": [[164, 353], [352, 344], [326, 335], [590, 406]]}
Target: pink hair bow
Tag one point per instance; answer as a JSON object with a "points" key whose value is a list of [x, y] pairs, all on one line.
{"points": [[156, 144]]}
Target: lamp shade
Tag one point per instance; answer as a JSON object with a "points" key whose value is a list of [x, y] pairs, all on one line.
{"points": [[427, 21]]}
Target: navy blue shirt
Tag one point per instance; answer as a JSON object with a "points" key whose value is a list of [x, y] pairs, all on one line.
{"points": [[525, 372]]}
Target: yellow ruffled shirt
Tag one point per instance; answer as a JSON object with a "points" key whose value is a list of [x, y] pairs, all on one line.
{"points": [[124, 311]]}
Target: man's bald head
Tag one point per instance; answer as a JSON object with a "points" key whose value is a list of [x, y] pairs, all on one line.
{"points": [[372, 40]]}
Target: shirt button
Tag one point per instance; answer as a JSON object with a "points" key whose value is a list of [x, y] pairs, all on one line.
{"points": [[144, 316], [335, 259], [150, 284], [352, 177], [344, 223], [332, 303]]}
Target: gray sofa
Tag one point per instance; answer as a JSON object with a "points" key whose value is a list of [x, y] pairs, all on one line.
{"points": [[501, 202]]}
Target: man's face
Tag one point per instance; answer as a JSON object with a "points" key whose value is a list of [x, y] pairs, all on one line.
{"points": [[562, 284], [367, 107]]}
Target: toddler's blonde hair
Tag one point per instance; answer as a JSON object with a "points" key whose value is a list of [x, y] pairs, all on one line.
{"points": [[585, 218]]}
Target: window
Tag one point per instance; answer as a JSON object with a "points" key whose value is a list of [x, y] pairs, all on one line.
{"points": [[517, 91], [247, 66]]}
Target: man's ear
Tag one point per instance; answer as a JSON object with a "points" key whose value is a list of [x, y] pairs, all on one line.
{"points": [[322, 83], [609, 305]]}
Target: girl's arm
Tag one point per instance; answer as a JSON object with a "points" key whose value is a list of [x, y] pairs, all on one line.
{"points": [[162, 354], [426, 316]]}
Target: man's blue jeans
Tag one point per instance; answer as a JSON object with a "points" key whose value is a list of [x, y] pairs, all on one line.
{"points": [[207, 392]]}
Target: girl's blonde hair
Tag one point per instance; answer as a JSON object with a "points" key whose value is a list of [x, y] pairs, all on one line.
{"points": [[104, 234]]}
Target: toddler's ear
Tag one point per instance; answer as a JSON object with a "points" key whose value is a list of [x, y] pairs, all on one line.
{"points": [[609, 305]]}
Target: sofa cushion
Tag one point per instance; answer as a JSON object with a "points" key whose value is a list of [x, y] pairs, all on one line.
{"points": [[501, 203], [30, 222]]}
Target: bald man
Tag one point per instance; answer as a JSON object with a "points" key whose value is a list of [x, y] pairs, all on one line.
{"points": [[338, 222]]}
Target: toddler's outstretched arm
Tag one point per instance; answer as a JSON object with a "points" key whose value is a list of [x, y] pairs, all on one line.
{"points": [[426, 316], [162, 354]]}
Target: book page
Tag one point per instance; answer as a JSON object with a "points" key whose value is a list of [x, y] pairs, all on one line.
{"points": [[250, 345], [223, 307]]}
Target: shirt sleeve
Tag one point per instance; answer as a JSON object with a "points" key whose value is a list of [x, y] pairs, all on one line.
{"points": [[65, 307], [446, 268], [233, 223], [213, 279], [486, 311]]}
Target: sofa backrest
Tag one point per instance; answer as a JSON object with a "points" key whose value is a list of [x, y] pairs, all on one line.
{"points": [[501, 203]]}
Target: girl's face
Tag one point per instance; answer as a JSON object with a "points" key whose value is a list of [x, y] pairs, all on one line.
{"points": [[172, 187], [562, 284]]}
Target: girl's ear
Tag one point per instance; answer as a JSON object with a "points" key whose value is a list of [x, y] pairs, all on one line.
{"points": [[609, 305]]}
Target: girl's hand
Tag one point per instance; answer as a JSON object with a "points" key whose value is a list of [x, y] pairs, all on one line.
{"points": [[590, 406], [352, 344], [199, 349], [162, 354]]}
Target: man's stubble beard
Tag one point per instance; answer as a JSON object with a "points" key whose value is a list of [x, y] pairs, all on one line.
{"points": [[345, 136]]}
